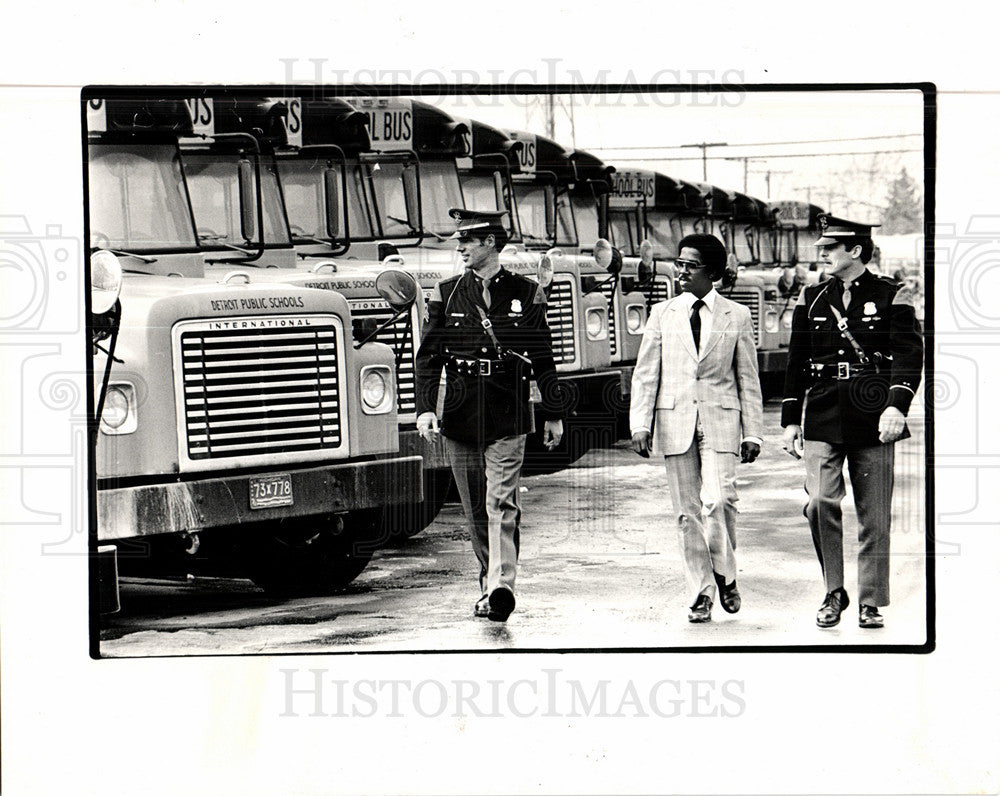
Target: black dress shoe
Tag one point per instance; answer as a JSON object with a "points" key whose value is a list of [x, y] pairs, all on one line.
{"points": [[729, 595], [501, 602], [482, 608], [868, 616], [833, 606], [701, 611]]}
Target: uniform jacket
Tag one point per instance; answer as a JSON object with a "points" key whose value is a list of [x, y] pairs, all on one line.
{"points": [[486, 408], [672, 386], [881, 318]]}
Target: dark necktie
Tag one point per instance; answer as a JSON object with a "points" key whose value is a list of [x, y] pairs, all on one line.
{"points": [[696, 323], [484, 286]]}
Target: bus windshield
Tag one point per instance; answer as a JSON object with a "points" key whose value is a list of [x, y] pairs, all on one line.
{"points": [[303, 184], [743, 245], [532, 200], [213, 180], [138, 201], [665, 232], [587, 222], [440, 191], [621, 228], [481, 194]]}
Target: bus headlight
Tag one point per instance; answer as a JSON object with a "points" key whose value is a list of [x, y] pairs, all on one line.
{"points": [[633, 318], [770, 321], [119, 413], [375, 396], [597, 324], [786, 319]]}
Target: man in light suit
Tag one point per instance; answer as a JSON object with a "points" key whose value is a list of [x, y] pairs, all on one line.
{"points": [[696, 399]]}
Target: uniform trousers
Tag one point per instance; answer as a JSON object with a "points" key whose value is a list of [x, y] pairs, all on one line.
{"points": [[487, 478], [871, 471], [703, 489]]}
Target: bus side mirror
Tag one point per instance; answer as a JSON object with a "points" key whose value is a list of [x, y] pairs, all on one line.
{"points": [[246, 188], [105, 281], [498, 191], [645, 269], [607, 256], [331, 192], [398, 288], [550, 215], [544, 271], [411, 194]]}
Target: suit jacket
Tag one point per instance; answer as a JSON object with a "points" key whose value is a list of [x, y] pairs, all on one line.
{"points": [[672, 386], [480, 409]]}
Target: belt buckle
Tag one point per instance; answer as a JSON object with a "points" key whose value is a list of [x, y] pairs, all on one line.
{"points": [[484, 367], [843, 371]]}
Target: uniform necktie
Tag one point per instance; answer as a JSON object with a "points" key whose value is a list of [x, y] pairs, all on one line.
{"points": [[696, 323], [486, 291], [846, 296]]}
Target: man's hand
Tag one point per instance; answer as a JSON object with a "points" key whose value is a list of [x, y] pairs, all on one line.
{"points": [[791, 440], [552, 433], [749, 451], [427, 426], [641, 443], [891, 425]]}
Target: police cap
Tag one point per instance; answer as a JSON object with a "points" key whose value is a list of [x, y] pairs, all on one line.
{"points": [[837, 230], [477, 223]]}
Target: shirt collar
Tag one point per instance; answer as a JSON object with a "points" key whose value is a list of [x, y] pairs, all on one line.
{"points": [[708, 298], [488, 273]]}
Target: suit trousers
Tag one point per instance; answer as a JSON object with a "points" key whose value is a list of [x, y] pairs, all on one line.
{"points": [[871, 471], [487, 478], [703, 489]]}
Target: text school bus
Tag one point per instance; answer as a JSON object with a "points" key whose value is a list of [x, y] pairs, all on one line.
{"points": [[239, 426]]}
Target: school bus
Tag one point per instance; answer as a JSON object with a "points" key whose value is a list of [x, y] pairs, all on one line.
{"points": [[324, 199], [241, 427]]}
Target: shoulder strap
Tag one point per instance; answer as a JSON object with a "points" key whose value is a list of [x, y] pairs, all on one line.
{"points": [[488, 326], [842, 325]]}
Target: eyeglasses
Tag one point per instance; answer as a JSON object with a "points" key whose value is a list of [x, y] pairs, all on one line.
{"points": [[690, 265]]}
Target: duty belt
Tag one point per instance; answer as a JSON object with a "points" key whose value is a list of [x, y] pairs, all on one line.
{"points": [[838, 371], [477, 367]]}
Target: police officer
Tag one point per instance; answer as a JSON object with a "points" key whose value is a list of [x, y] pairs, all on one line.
{"points": [[487, 329], [856, 351]]}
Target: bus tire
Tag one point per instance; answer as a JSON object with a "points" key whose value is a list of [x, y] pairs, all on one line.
{"points": [[312, 556]]}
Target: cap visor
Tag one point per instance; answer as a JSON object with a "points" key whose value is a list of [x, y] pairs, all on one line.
{"points": [[826, 241]]}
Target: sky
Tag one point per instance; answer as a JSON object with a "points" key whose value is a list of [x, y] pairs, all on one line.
{"points": [[654, 131]]}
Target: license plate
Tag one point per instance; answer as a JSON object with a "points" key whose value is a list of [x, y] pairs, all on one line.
{"points": [[267, 491]]}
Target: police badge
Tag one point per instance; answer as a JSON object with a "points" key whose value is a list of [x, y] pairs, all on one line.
{"points": [[869, 308], [515, 305]]}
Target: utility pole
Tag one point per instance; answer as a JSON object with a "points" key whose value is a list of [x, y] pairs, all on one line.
{"points": [[703, 146], [767, 178]]}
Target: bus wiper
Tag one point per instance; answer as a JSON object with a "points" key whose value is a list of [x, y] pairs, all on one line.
{"points": [[123, 253], [405, 223], [219, 240]]}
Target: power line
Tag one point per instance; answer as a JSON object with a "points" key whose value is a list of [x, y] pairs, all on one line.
{"points": [[765, 143], [770, 157]]}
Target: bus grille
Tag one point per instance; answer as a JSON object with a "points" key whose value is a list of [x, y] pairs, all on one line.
{"points": [[559, 314], [608, 291], [751, 298], [657, 292], [265, 390], [399, 337]]}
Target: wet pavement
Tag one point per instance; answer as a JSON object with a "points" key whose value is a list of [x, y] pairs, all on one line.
{"points": [[600, 569]]}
